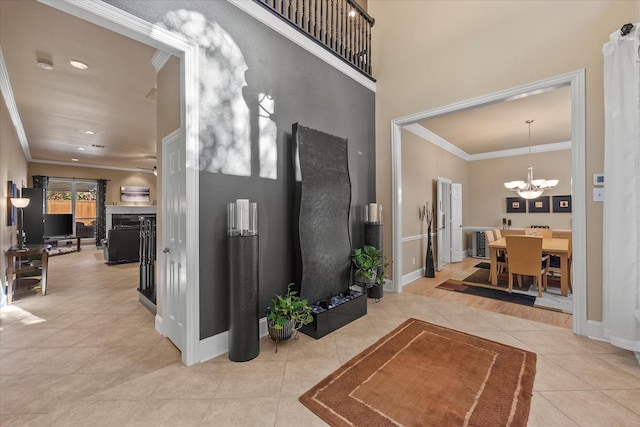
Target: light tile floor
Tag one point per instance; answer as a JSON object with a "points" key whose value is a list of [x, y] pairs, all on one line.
{"points": [[87, 354]]}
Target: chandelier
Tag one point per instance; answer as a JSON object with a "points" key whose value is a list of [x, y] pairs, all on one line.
{"points": [[532, 188]]}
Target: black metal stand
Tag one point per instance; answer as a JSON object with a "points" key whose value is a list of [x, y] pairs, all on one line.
{"points": [[244, 333], [147, 252], [373, 237]]}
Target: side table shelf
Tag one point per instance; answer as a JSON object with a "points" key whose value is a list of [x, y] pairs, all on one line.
{"points": [[16, 266], [55, 242]]}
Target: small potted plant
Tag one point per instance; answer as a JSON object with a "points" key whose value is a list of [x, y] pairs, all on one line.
{"points": [[367, 261], [286, 314]]}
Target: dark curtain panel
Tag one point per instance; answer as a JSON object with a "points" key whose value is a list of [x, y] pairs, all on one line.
{"points": [[101, 211], [41, 181]]}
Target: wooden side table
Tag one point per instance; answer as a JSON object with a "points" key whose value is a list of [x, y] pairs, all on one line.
{"points": [[16, 266]]}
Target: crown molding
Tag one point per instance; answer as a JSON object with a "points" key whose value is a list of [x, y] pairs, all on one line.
{"points": [[159, 59], [86, 165], [439, 141], [10, 102]]}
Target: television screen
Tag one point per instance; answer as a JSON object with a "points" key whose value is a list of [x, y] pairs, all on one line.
{"points": [[58, 225]]}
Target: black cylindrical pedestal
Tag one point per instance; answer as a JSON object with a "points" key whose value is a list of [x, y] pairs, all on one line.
{"points": [[244, 332], [373, 237]]}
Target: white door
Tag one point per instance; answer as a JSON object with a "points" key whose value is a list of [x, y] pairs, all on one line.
{"points": [[173, 236], [442, 227], [456, 222]]}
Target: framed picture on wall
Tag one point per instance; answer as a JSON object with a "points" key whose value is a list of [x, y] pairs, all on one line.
{"points": [[134, 193], [516, 205], [539, 205], [12, 211], [561, 204]]}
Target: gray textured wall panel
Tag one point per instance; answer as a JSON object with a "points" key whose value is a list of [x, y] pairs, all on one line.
{"points": [[325, 199]]}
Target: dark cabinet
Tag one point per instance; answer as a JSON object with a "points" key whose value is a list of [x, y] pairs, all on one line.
{"points": [[34, 215]]}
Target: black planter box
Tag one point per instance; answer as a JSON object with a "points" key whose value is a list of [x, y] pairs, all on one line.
{"points": [[334, 313]]}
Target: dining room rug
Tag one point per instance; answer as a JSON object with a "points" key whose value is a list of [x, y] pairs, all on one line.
{"points": [[421, 374], [551, 299], [482, 277], [486, 265], [497, 294]]}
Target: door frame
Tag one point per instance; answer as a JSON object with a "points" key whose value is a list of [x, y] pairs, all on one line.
{"points": [[121, 22], [443, 235], [576, 81]]}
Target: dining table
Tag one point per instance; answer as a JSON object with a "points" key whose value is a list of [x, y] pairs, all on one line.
{"points": [[550, 246]]}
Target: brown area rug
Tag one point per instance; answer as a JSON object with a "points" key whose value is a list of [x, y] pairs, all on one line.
{"points": [[422, 374]]}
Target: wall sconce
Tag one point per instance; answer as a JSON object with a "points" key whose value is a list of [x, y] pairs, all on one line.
{"points": [[20, 203]]}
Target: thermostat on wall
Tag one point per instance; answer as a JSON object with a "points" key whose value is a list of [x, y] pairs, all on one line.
{"points": [[598, 179]]}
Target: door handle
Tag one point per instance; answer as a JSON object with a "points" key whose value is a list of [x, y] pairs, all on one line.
{"points": [[166, 251]]}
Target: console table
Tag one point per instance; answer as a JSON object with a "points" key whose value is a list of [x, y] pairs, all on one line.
{"points": [[16, 266]]}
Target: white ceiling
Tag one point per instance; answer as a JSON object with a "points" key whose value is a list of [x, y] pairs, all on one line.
{"points": [[502, 126], [111, 99], [56, 106]]}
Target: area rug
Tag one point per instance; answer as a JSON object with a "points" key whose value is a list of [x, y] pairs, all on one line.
{"points": [[497, 294], [486, 265], [422, 374], [551, 299], [482, 277]]}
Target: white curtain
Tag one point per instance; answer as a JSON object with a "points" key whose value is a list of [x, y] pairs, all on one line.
{"points": [[621, 282]]}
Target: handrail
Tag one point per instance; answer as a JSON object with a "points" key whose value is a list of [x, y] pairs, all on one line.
{"points": [[342, 26]]}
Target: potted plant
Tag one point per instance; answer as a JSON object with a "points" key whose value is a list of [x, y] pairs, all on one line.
{"points": [[367, 261], [286, 314]]}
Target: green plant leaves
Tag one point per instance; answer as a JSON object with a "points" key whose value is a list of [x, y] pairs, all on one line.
{"points": [[289, 307]]}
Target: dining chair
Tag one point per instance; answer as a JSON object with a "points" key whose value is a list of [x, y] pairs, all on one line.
{"points": [[546, 233], [525, 259], [554, 266], [501, 259], [497, 233]]}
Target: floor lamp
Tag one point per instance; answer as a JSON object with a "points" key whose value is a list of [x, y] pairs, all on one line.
{"points": [[20, 203]]}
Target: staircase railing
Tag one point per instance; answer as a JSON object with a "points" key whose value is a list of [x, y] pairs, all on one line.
{"points": [[342, 26]]}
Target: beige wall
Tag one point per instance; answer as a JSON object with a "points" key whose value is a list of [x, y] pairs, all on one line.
{"points": [[116, 179], [486, 193], [422, 164], [168, 113], [13, 167], [463, 49]]}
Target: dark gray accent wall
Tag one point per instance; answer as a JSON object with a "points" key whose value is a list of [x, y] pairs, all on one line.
{"points": [[304, 89]]}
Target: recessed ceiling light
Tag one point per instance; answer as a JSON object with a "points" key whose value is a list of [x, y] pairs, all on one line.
{"points": [[78, 64], [45, 64], [352, 14], [81, 148], [88, 132], [75, 160]]}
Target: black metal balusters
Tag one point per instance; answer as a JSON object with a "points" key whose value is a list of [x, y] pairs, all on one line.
{"points": [[342, 26]]}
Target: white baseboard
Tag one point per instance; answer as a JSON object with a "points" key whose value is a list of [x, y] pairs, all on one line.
{"points": [[159, 328], [595, 330], [414, 275], [219, 344]]}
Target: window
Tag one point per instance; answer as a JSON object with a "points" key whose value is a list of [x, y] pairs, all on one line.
{"points": [[76, 197]]}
